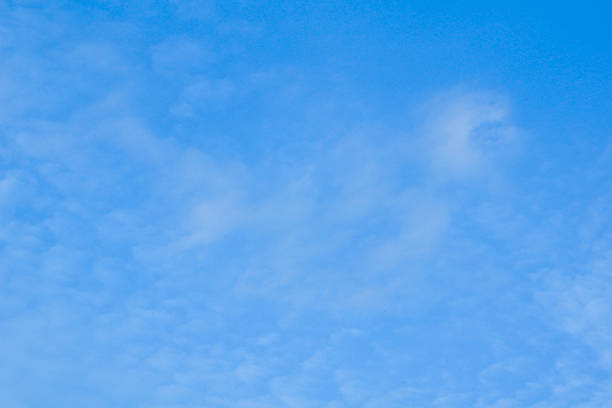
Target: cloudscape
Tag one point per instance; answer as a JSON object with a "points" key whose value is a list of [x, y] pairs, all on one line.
{"points": [[293, 204]]}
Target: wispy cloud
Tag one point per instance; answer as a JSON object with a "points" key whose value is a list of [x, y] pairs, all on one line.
{"points": [[185, 225]]}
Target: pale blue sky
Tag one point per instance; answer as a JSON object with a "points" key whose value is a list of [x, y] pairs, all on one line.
{"points": [[295, 204]]}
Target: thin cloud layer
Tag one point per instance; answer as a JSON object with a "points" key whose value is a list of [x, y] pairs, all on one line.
{"points": [[187, 221]]}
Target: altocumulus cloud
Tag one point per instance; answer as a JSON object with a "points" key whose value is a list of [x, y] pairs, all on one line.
{"points": [[185, 225]]}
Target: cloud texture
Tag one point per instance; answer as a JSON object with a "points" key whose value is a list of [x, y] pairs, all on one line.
{"points": [[184, 223]]}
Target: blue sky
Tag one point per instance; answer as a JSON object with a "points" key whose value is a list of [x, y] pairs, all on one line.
{"points": [[285, 204]]}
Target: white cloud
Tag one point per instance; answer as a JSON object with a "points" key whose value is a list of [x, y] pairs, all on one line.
{"points": [[204, 93], [467, 132], [189, 278]]}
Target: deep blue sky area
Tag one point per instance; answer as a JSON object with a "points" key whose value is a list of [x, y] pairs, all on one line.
{"points": [[305, 204]]}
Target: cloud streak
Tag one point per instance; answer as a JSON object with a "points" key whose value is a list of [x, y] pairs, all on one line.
{"points": [[164, 244]]}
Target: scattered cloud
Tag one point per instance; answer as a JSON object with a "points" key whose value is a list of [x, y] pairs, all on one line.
{"points": [[335, 263]]}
